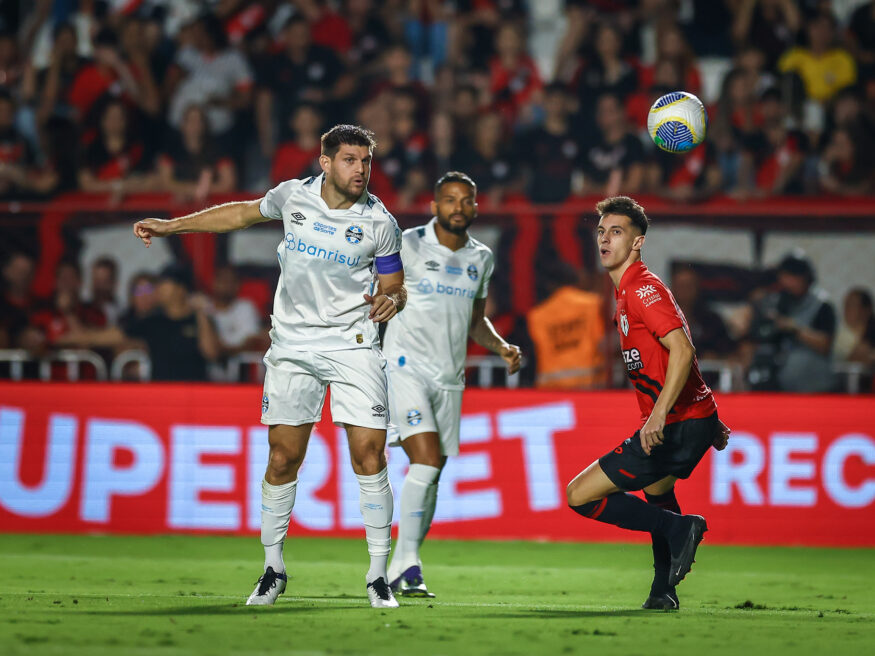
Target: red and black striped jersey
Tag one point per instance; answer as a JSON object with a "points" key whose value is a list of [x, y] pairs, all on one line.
{"points": [[646, 311]]}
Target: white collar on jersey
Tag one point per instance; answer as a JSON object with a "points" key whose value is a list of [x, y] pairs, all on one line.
{"points": [[315, 188], [431, 235]]}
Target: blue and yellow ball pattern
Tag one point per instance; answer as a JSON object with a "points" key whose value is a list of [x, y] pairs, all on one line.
{"points": [[677, 122]]}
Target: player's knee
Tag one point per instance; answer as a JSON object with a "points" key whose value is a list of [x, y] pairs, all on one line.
{"points": [[369, 460], [575, 494], [285, 461]]}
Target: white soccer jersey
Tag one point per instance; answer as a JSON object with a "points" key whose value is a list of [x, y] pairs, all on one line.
{"points": [[430, 337], [326, 266]]}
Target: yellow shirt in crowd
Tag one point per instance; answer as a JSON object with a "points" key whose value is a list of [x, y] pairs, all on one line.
{"points": [[823, 76]]}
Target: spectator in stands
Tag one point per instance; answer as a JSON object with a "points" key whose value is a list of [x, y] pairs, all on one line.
{"points": [[236, 319], [844, 169], [550, 152], [615, 162], [19, 175], [16, 299], [368, 30], [514, 79], [115, 161], [671, 47], [606, 71], [771, 25], [488, 160], [66, 313], [706, 327], [107, 75], [142, 299], [465, 108], [209, 71], [776, 153], [568, 330], [861, 39], [395, 74], [179, 335], [792, 333], [297, 157], [135, 49], [855, 339], [104, 284], [427, 34], [824, 66], [302, 72], [192, 165], [50, 87]]}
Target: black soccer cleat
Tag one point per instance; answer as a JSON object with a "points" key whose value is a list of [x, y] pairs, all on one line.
{"points": [[665, 601], [684, 543]]}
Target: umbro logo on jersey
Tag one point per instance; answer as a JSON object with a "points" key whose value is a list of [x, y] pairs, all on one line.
{"points": [[379, 411], [297, 218], [431, 265], [354, 234], [645, 291], [472, 272]]}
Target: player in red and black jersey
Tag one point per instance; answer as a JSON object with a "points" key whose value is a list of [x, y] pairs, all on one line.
{"points": [[679, 420]]}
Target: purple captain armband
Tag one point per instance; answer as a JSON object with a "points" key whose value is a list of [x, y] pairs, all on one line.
{"points": [[389, 263]]}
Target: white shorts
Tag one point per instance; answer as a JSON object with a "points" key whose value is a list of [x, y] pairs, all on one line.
{"points": [[295, 383], [417, 406]]}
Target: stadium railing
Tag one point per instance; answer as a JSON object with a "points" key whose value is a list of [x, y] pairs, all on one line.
{"points": [[485, 370]]}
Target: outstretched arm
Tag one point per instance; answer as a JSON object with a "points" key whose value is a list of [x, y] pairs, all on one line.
{"points": [[483, 332], [221, 218]]}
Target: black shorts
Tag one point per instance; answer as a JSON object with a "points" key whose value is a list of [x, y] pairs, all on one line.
{"points": [[686, 443]]}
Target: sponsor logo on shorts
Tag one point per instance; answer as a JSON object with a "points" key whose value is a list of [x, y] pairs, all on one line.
{"points": [[454, 270], [379, 410], [321, 227], [354, 234], [472, 272], [297, 218], [265, 404], [414, 417], [632, 359], [300, 246], [431, 265]]}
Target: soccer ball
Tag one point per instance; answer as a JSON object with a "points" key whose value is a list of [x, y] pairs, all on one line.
{"points": [[677, 122]]}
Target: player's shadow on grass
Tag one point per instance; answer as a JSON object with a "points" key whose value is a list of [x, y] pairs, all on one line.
{"points": [[223, 609], [562, 614]]}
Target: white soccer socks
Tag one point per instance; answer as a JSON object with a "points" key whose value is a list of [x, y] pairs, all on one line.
{"points": [[418, 499], [277, 502], [375, 501]]}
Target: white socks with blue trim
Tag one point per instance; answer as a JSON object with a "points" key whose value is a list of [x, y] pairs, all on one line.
{"points": [[375, 501], [277, 502]]}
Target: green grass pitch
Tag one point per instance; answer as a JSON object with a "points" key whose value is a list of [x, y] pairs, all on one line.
{"points": [[185, 595]]}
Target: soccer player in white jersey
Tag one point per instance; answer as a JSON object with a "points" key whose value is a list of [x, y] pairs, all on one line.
{"points": [[447, 274], [337, 238]]}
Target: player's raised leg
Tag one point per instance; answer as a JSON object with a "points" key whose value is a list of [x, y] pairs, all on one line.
{"points": [[594, 495], [418, 501], [288, 445], [367, 452]]}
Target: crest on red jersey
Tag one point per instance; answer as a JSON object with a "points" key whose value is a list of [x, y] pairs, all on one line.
{"points": [[624, 324]]}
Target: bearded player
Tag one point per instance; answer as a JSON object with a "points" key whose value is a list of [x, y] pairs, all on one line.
{"points": [[338, 241], [678, 413], [448, 274]]}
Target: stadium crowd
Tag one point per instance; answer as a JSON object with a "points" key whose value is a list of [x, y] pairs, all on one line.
{"points": [[541, 102], [199, 96]]}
